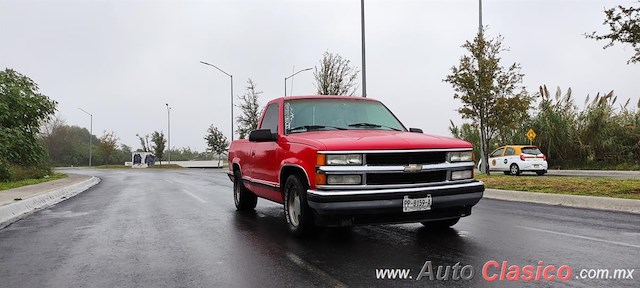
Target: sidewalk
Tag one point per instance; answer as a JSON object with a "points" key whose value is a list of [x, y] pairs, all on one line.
{"points": [[18, 202], [576, 201]]}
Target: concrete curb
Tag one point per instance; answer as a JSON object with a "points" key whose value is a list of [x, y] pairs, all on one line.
{"points": [[578, 201], [15, 211]]}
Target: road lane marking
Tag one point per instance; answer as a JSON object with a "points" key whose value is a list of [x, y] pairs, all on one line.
{"points": [[172, 182], [194, 196], [582, 237], [326, 278]]}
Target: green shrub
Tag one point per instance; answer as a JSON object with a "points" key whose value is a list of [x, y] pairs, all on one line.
{"points": [[5, 171], [22, 172]]}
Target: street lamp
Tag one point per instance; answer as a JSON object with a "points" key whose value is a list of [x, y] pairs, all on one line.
{"points": [[90, 134], [169, 130], [364, 62], [290, 76], [230, 76], [480, 17]]}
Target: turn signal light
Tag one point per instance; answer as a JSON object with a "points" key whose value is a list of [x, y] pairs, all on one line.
{"points": [[321, 179], [321, 159]]}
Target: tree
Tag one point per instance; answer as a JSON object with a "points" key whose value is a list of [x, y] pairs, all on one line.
{"points": [[69, 145], [469, 133], [248, 120], [23, 111], [624, 24], [492, 96], [335, 76], [144, 142], [108, 144], [158, 144], [216, 142]]}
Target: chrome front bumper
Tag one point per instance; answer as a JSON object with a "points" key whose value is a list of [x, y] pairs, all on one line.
{"points": [[389, 201]]}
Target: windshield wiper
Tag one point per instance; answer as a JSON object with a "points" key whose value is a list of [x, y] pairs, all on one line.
{"points": [[364, 124], [313, 127]]}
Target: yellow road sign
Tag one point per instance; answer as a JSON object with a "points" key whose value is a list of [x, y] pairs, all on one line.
{"points": [[531, 135]]}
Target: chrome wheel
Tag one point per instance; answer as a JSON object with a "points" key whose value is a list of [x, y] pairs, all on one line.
{"points": [[294, 206], [296, 210]]}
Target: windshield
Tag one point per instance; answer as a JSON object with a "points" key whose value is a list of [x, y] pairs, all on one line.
{"points": [[304, 115]]}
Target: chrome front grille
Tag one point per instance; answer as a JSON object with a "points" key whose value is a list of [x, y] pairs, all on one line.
{"points": [[406, 178], [404, 158]]}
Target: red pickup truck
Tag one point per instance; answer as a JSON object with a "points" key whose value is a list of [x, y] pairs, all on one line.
{"points": [[341, 161]]}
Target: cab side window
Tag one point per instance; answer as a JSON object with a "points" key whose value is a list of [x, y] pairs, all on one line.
{"points": [[510, 151], [270, 120], [497, 153]]}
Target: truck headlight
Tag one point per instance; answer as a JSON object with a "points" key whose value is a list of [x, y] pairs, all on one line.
{"points": [[344, 159], [344, 179], [461, 156], [461, 175]]}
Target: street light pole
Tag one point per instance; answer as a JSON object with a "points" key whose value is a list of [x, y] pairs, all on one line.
{"points": [[169, 131], [90, 133], [480, 17], [485, 163], [230, 76], [364, 62], [290, 76]]}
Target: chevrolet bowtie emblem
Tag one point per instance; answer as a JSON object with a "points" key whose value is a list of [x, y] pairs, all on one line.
{"points": [[413, 168]]}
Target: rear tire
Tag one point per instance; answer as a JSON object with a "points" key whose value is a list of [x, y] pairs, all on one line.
{"points": [[296, 210], [440, 224], [514, 169], [242, 197], [540, 173]]}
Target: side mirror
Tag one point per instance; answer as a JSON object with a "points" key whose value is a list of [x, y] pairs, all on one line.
{"points": [[415, 130], [262, 135]]}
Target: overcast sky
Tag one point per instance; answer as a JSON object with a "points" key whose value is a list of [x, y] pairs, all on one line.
{"points": [[123, 60]]}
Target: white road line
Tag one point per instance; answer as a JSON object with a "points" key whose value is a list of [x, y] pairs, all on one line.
{"points": [[194, 196], [582, 237], [326, 279]]}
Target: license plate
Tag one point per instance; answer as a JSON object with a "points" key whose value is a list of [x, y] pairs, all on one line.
{"points": [[416, 204], [536, 165]]}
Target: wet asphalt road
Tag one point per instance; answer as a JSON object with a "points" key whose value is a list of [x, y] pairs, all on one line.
{"points": [[179, 228]]}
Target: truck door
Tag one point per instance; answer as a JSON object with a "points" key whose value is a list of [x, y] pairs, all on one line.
{"points": [[264, 158]]}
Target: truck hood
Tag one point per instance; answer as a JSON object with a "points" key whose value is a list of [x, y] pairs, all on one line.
{"points": [[375, 140]]}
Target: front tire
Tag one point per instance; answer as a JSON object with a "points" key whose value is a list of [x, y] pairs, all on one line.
{"points": [[514, 169], [242, 197], [440, 224], [296, 210]]}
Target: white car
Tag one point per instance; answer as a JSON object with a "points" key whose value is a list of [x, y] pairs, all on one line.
{"points": [[515, 159]]}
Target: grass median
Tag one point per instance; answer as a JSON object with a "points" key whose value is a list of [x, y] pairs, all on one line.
{"points": [[588, 186], [26, 182]]}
